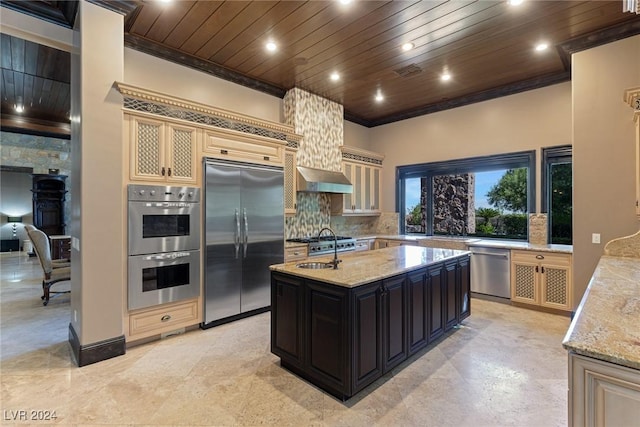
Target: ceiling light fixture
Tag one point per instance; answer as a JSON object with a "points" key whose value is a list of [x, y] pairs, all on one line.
{"points": [[542, 46], [345, 1], [335, 76], [407, 46], [515, 2], [271, 46], [379, 97], [19, 108], [445, 76]]}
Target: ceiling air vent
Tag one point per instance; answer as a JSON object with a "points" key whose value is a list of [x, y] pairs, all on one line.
{"points": [[408, 71]]}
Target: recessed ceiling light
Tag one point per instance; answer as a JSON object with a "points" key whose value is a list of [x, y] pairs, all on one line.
{"points": [[407, 46], [19, 108], [542, 46], [515, 2], [271, 46], [335, 76], [379, 97], [344, 1], [445, 76], [165, 1]]}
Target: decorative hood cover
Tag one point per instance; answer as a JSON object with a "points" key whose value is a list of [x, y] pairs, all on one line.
{"points": [[322, 181]]}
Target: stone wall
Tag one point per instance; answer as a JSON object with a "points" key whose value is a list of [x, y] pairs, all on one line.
{"points": [[453, 204]]}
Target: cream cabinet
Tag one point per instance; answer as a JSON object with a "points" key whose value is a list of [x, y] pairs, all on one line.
{"points": [[602, 393], [541, 279], [233, 145], [389, 243], [296, 253], [632, 97], [164, 318], [161, 151], [290, 180], [364, 244], [364, 170]]}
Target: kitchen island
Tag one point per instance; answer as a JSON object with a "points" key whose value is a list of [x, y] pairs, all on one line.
{"points": [[343, 329]]}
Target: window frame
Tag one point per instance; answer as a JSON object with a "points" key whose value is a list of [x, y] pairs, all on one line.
{"points": [[550, 156], [460, 166]]}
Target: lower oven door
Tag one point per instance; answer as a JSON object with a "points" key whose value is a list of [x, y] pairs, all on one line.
{"points": [[162, 278]]}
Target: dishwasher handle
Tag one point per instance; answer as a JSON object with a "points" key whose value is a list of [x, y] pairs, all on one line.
{"points": [[505, 256]]}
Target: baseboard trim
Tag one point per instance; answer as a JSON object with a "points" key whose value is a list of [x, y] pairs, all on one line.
{"points": [[96, 352]]}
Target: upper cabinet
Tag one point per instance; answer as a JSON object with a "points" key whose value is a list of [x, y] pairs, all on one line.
{"points": [[364, 170], [632, 97], [161, 151], [167, 138]]}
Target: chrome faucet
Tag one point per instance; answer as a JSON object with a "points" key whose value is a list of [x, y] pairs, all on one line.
{"points": [[335, 261]]}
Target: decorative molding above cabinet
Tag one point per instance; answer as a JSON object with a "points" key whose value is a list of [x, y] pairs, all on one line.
{"points": [[632, 97], [364, 170]]}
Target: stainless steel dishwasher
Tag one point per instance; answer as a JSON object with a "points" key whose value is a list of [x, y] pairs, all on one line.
{"points": [[490, 271]]}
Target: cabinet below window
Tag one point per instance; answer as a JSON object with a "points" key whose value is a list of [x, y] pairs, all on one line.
{"points": [[541, 279]]}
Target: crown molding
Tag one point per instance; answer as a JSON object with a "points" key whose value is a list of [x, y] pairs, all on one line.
{"points": [[162, 98]]}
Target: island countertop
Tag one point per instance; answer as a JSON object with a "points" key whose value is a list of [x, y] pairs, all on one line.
{"points": [[359, 268], [605, 325]]}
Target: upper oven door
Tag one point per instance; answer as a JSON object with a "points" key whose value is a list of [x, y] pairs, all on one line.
{"points": [[156, 227]]}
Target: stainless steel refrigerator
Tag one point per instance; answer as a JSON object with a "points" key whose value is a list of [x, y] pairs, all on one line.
{"points": [[244, 226]]}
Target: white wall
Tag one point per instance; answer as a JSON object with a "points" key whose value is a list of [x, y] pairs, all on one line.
{"points": [[166, 77], [603, 152], [357, 136], [525, 121]]}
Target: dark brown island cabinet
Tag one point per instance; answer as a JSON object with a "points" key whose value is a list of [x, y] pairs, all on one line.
{"points": [[344, 338]]}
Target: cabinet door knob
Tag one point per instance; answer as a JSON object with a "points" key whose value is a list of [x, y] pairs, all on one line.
{"points": [[169, 171], [162, 171]]}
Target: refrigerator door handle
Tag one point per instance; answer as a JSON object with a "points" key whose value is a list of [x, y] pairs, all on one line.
{"points": [[246, 232], [237, 236]]}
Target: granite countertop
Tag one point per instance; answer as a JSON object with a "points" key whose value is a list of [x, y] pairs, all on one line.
{"points": [[606, 325], [513, 244], [359, 268]]}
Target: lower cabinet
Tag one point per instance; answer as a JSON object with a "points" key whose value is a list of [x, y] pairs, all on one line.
{"points": [[343, 339], [602, 393]]}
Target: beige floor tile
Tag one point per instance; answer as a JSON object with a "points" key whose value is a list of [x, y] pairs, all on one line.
{"points": [[504, 366]]}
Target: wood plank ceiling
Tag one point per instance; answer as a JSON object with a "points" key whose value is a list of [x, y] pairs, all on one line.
{"points": [[486, 46]]}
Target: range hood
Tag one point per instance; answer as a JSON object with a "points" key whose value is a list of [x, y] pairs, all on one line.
{"points": [[322, 181]]}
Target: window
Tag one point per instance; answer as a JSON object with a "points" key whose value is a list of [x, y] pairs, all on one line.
{"points": [[557, 167], [481, 196]]}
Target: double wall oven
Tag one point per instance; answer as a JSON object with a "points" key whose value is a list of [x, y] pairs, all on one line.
{"points": [[163, 244]]}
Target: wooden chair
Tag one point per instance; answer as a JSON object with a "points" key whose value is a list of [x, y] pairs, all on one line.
{"points": [[54, 271]]}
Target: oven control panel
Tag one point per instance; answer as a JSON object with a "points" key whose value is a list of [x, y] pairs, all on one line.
{"points": [[161, 193]]}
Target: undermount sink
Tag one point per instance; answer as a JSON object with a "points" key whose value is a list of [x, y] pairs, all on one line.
{"points": [[315, 265]]}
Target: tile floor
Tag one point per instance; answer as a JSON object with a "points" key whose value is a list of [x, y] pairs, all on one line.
{"points": [[504, 367]]}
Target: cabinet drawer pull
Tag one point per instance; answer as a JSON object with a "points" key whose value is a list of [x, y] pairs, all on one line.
{"points": [[539, 257], [169, 171], [162, 171], [165, 318], [224, 152], [266, 158]]}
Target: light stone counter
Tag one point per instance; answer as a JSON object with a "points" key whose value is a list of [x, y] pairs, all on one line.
{"points": [[513, 244], [359, 268], [606, 325]]}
